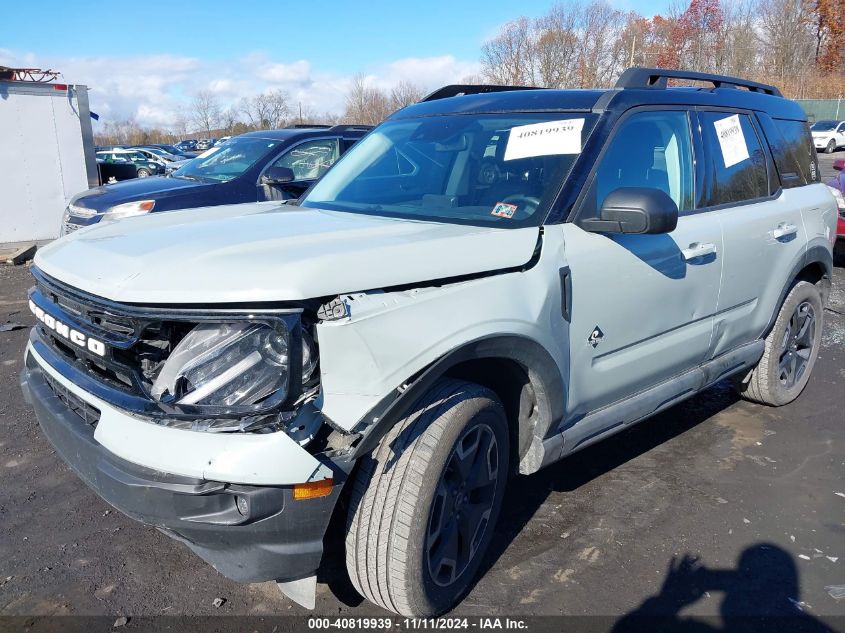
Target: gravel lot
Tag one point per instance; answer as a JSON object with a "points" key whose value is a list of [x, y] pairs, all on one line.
{"points": [[714, 477]]}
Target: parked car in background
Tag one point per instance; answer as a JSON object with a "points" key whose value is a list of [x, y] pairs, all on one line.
{"points": [[106, 148], [268, 165], [144, 166], [188, 145], [828, 134], [170, 149], [156, 153], [837, 188], [170, 161], [204, 144], [150, 155], [222, 139]]}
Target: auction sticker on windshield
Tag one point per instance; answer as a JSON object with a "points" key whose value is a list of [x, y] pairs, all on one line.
{"points": [[731, 140], [545, 139], [504, 210]]}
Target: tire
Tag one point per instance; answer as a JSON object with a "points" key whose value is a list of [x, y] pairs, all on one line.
{"points": [[400, 494], [143, 173], [790, 352], [831, 147]]}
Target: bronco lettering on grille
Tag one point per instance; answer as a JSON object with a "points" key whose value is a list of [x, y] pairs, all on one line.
{"points": [[65, 331]]}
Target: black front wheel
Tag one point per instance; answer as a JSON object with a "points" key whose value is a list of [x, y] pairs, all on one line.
{"points": [[831, 147], [424, 504], [143, 173]]}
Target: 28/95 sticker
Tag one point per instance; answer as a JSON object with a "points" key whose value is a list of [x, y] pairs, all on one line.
{"points": [[731, 140], [504, 210]]}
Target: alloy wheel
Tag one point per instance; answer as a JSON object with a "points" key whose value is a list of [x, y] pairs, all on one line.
{"points": [[797, 345], [462, 504]]}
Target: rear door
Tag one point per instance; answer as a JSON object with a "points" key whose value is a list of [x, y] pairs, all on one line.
{"points": [[642, 305], [761, 224]]}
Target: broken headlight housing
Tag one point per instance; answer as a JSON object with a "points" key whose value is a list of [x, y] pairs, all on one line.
{"points": [[234, 376], [225, 365]]}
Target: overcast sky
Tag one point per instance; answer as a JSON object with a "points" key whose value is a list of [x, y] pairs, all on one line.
{"points": [[145, 59]]}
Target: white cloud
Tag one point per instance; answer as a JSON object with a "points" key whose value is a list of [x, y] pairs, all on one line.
{"points": [[154, 88]]}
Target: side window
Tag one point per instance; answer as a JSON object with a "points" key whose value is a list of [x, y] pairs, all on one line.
{"points": [[311, 159], [794, 153], [735, 165], [649, 149]]}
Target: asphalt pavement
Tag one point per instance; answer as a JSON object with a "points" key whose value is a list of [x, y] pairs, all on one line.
{"points": [[755, 494]]}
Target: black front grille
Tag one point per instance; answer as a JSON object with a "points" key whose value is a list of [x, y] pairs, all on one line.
{"points": [[89, 414]]}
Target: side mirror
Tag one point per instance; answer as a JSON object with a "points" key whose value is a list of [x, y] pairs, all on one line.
{"points": [[277, 176], [638, 210], [839, 164]]}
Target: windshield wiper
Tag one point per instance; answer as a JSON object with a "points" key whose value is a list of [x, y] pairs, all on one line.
{"points": [[188, 177]]}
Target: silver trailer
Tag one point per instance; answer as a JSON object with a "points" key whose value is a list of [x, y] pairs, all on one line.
{"points": [[46, 156]]}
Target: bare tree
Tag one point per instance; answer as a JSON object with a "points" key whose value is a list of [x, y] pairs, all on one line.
{"points": [[365, 104], [205, 111], [268, 110], [508, 58], [405, 93], [787, 34]]}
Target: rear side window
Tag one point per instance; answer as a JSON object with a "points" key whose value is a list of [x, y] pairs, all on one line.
{"points": [[735, 165], [794, 153]]}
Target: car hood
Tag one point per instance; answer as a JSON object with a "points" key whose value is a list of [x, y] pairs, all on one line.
{"points": [[820, 133], [106, 196], [271, 252]]}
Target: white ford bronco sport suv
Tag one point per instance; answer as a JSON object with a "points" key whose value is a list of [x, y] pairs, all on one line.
{"points": [[490, 280]]}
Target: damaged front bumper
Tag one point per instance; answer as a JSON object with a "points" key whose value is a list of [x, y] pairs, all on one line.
{"points": [[249, 533]]}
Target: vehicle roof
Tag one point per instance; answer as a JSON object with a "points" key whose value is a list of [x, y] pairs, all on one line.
{"points": [[119, 150], [611, 100], [290, 133]]}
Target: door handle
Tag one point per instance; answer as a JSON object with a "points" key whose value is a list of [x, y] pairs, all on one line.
{"points": [[697, 249], [784, 229]]}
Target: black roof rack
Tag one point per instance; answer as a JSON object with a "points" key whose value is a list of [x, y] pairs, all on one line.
{"points": [[308, 126], [348, 128], [657, 78], [468, 89]]}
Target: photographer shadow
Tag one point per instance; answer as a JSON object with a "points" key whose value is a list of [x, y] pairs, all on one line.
{"points": [[761, 595]]}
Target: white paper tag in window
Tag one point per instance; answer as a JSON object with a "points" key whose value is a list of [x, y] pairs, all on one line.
{"points": [[545, 139], [731, 140]]}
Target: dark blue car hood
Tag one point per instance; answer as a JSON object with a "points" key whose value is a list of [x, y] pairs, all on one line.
{"points": [[155, 188]]}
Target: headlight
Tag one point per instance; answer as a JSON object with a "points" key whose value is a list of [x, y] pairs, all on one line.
{"points": [[226, 365], [840, 199], [129, 209], [80, 212]]}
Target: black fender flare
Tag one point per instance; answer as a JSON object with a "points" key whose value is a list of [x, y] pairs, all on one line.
{"points": [[542, 371]]}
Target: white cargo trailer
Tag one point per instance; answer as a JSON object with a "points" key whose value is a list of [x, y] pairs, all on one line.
{"points": [[46, 156]]}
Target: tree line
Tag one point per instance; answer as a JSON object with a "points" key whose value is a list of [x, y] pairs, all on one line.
{"points": [[797, 45]]}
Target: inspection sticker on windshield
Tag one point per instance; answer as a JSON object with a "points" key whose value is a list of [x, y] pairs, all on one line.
{"points": [[731, 140], [504, 210], [545, 139]]}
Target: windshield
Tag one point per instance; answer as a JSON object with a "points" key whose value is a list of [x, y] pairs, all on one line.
{"points": [[499, 170], [162, 153], [823, 126], [228, 161]]}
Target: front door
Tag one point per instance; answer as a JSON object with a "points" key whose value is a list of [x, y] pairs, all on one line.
{"points": [[642, 305], [308, 160]]}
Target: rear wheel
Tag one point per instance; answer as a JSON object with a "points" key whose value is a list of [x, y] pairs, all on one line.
{"points": [[831, 147], [791, 349], [424, 504]]}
